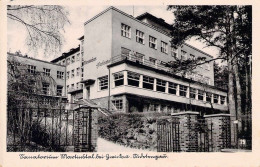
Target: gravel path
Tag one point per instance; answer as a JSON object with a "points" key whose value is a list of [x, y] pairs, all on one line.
{"points": [[108, 146]]}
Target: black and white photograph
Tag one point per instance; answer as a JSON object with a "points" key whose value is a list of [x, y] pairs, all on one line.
{"points": [[129, 78]]}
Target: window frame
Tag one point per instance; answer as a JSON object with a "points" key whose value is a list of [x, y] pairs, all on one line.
{"points": [[125, 30], [118, 77], [164, 47], [152, 42], [140, 37], [183, 92], [172, 86], [103, 83], [132, 78], [147, 80], [46, 71], [118, 104]]}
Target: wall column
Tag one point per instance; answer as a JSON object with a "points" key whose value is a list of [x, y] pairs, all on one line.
{"points": [[125, 77], [141, 81], [154, 84]]}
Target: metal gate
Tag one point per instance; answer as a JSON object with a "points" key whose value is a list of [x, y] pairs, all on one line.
{"points": [[168, 136], [205, 139]]}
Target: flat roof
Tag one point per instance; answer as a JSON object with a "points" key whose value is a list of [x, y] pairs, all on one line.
{"points": [[34, 59], [66, 54]]}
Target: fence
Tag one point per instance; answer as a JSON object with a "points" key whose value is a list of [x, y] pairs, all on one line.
{"points": [[48, 126]]}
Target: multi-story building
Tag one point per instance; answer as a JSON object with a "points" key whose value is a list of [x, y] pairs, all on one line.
{"points": [[73, 61], [124, 67], [51, 76]]}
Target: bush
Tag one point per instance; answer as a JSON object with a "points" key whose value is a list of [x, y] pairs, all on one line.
{"points": [[136, 130]]}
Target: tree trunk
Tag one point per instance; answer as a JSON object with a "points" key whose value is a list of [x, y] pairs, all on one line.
{"points": [[238, 94]]}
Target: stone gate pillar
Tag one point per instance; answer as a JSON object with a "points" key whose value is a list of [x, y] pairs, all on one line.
{"points": [[188, 130], [219, 131], [85, 130]]}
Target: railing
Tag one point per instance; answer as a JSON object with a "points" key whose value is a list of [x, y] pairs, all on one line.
{"points": [[143, 61]]}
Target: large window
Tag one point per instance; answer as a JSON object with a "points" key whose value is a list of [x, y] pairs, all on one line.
{"points": [[148, 82], [183, 90], [103, 82], [160, 85], [172, 88], [152, 42], [133, 79], [46, 88], [164, 47], [125, 30], [215, 98], [193, 93], [208, 97], [139, 37], [59, 90], [200, 95], [31, 69], [119, 78], [118, 104], [60, 75], [46, 71]]}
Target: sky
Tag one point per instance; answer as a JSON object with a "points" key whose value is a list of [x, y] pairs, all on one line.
{"points": [[16, 33]]}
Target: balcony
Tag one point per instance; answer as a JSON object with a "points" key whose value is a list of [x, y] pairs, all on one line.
{"points": [[141, 61]]}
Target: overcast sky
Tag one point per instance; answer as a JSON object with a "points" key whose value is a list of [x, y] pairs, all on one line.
{"points": [[78, 15]]}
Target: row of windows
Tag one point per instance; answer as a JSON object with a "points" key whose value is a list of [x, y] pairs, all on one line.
{"points": [[46, 90], [148, 82], [72, 72], [70, 60], [76, 86], [126, 32], [46, 71]]}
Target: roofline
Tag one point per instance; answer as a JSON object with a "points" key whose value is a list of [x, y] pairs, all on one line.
{"points": [[148, 25], [198, 50], [35, 59], [66, 54]]}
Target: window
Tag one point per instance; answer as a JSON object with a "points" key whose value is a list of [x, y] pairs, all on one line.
{"points": [[78, 57], [208, 97], [125, 52], [172, 88], [139, 37], [183, 55], [46, 71], [183, 90], [68, 88], [160, 85], [103, 82], [119, 79], [59, 90], [153, 61], [139, 58], [68, 61], [152, 42], [164, 47], [148, 82], [118, 104], [77, 85], [222, 99], [68, 74], [133, 79], [192, 57], [60, 75], [72, 59], [200, 95], [31, 69], [173, 52], [193, 93], [72, 74], [78, 71], [72, 86], [46, 88], [64, 62], [215, 98], [125, 30]]}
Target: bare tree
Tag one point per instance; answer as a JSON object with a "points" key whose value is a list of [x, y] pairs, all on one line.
{"points": [[43, 24]]}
